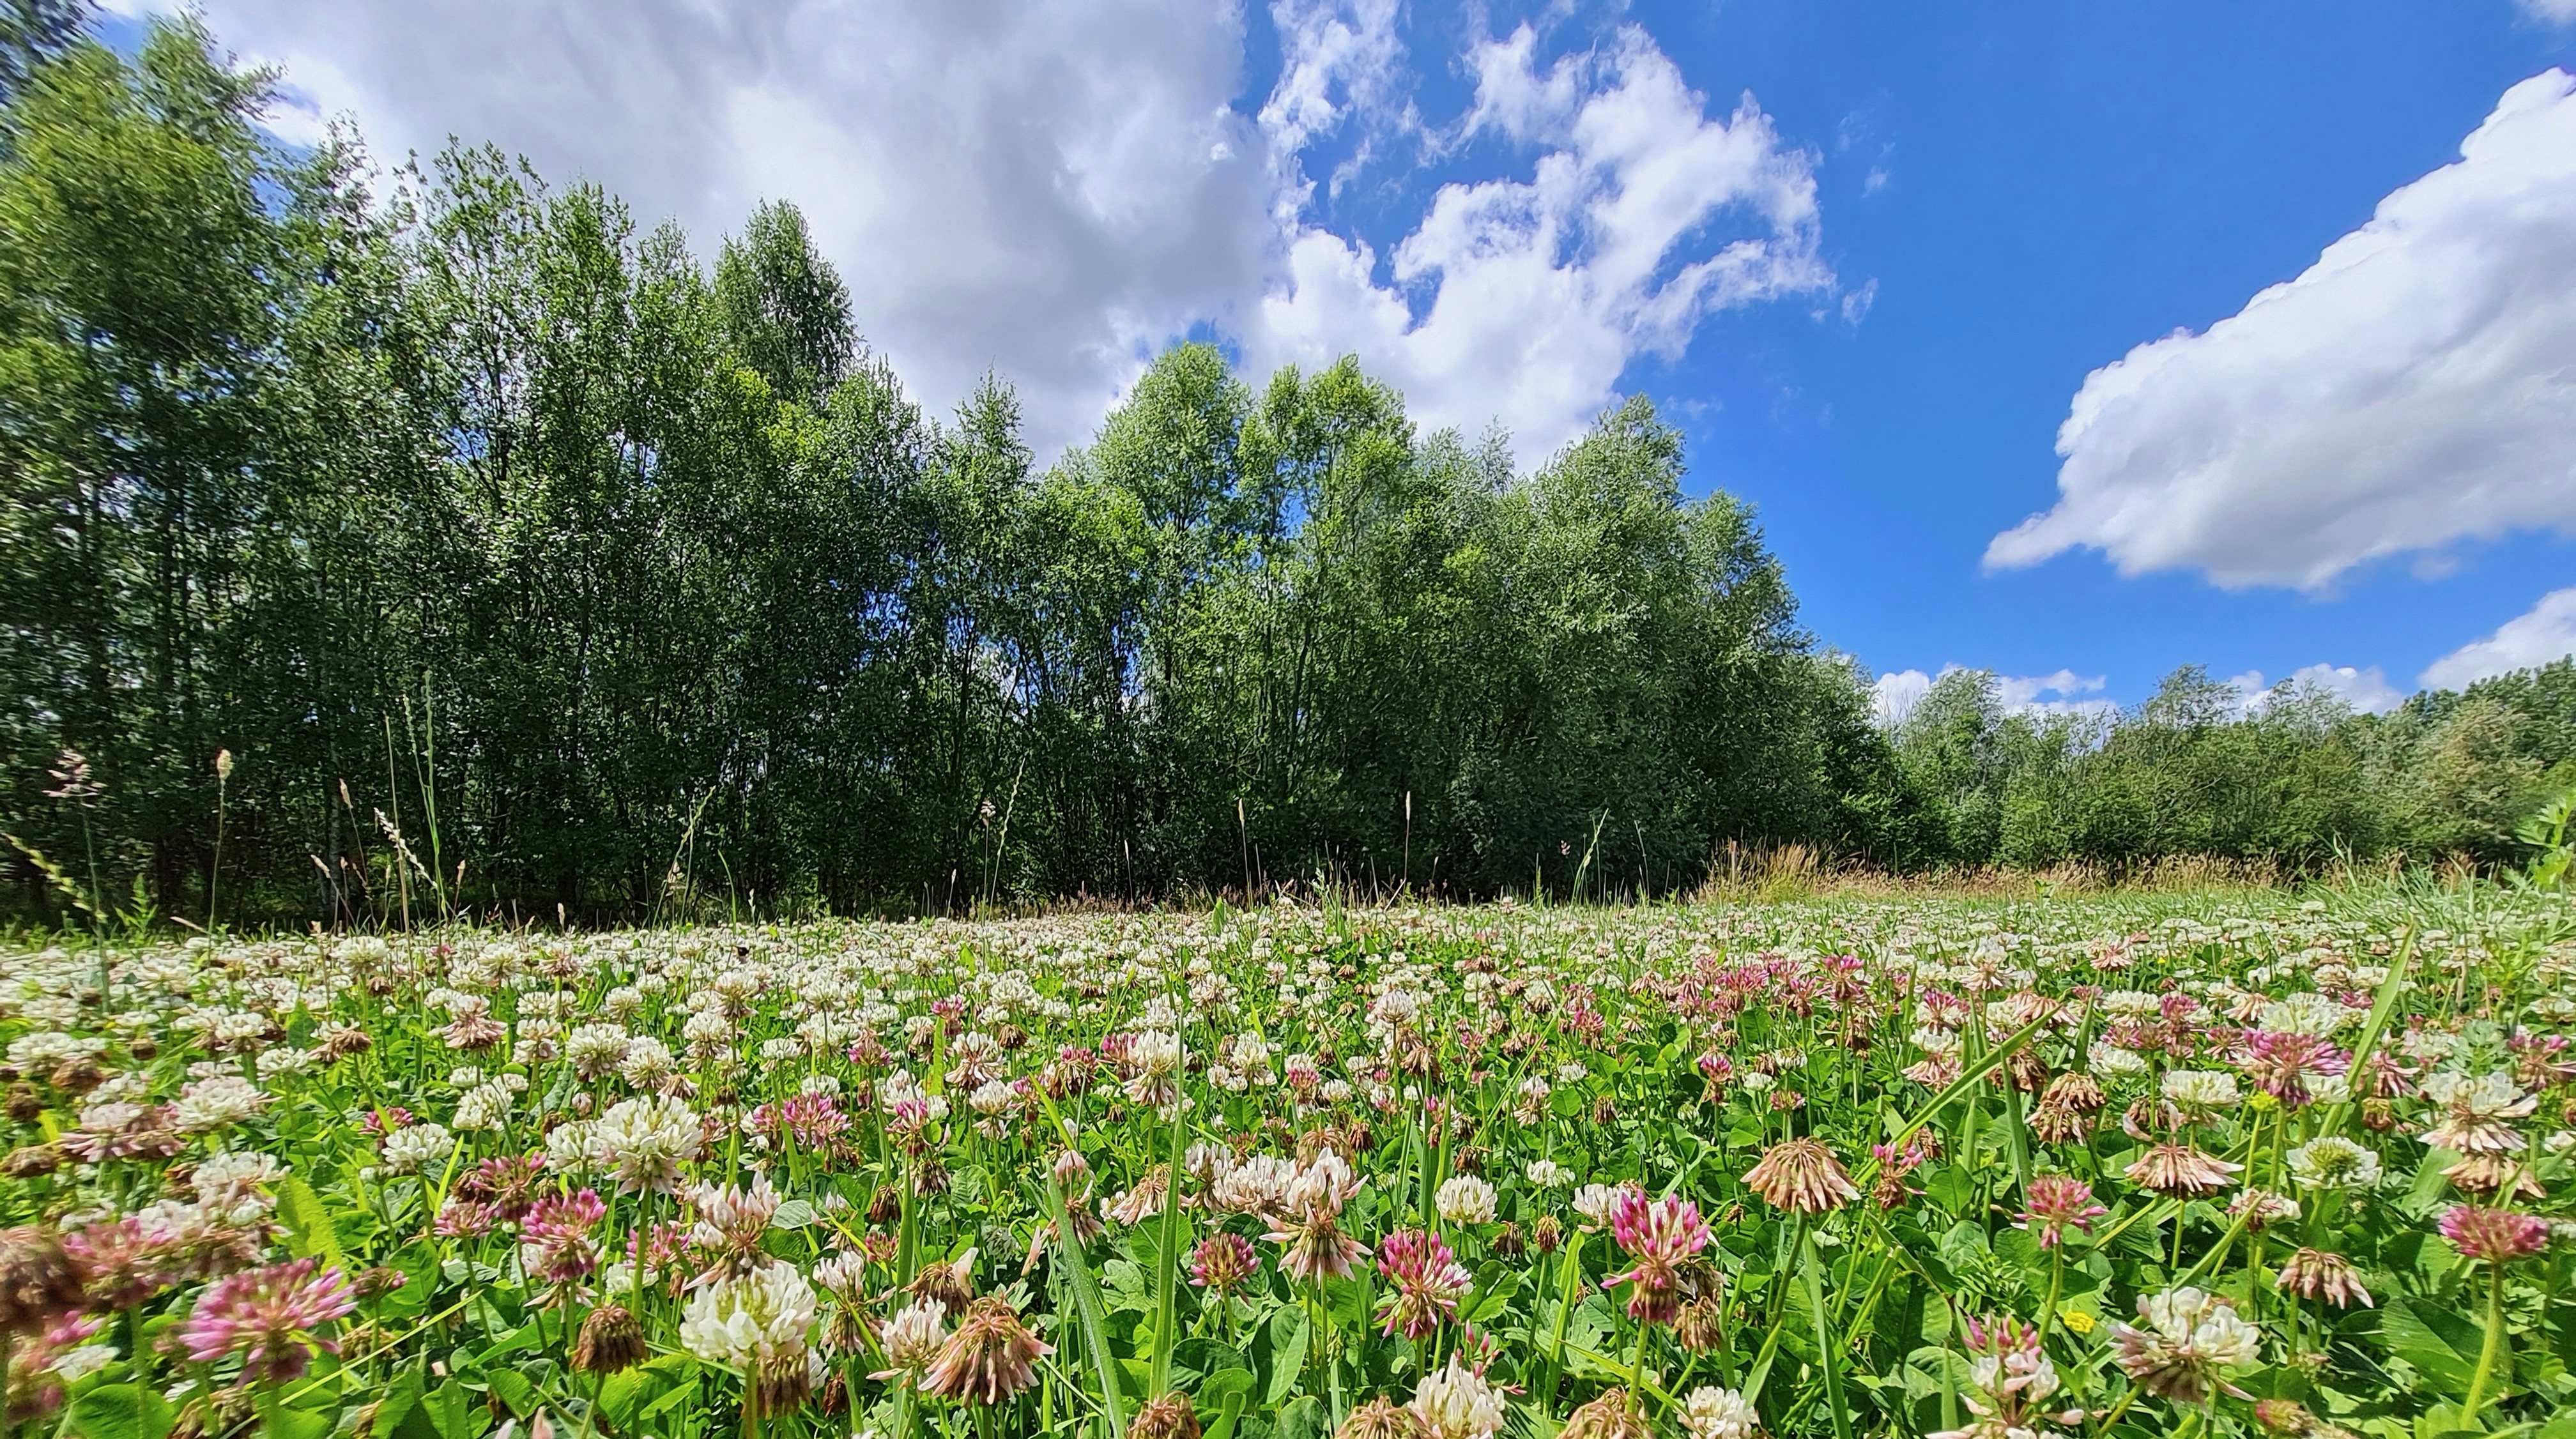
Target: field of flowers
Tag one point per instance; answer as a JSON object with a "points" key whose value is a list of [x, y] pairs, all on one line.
{"points": [[2130, 1166]]}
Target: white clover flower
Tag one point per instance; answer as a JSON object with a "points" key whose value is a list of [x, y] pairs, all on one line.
{"points": [[2201, 1088], [1465, 1199], [992, 1097], [2304, 1012], [1714, 1413], [2110, 1061], [1595, 1201], [483, 1107], [2334, 1162], [416, 1147], [1547, 1174], [643, 1142], [750, 1321], [215, 1102], [1457, 1403]]}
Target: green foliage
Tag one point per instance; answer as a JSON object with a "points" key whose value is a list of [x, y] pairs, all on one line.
{"points": [[522, 563]]}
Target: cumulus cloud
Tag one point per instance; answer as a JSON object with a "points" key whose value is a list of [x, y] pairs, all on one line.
{"points": [[2414, 388], [2366, 690], [2547, 632], [1536, 293], [1057, 192], [1893, 696]]}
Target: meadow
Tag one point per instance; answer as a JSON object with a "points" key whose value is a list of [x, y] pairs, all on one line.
{"points": [[2120, 1164]]}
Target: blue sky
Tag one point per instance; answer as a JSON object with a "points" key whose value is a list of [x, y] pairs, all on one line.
{"points": [[1868, 256]]}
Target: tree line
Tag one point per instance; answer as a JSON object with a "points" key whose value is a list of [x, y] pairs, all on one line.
{"points": [[507, 554]]}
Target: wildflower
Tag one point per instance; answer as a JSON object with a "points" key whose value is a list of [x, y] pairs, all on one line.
{"points": [[1699, 1327], [2009, 1379], [2189, 1340], [2494, 1174], [1380, 1419], [1660, 1234], [1222, 1262], [611, 1340], [1465, 1199], [2179, 1170], [1594, 1202], [2498, 1236], [37, 1280], [1801, 1176], [2334, 1162], [1547, 1174], [119, 1262], [643, 1143], [989, 1358], [1457, 1403], [1606, 1417], [1719, 1414], [912, 1341], [1169, 1417], [2316, 1274], [757, 1324], [2054, 1203], [1429, 1282], [267, 1316], [2477, 1114], [2202, 1089], [417, 1147], [2281, 1062]]}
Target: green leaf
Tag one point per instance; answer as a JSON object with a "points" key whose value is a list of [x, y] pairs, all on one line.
{"points": [[121, 1411], [1287, 1354], [514, 1390], [1214, 1390], [453, 1412], [1303, 1418], [309, 1231], [2417, 1335], [793, 1214]]}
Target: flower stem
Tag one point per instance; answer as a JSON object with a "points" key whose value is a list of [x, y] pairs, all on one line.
{"points": [[2489, 1351]]}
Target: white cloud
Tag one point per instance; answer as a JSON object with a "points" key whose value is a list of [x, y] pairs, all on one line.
{"points": [[2554, 12], [2366, 690], [1057, 192], [2414, 388], [2546, 632], [1894, 695], [1536, 293]]}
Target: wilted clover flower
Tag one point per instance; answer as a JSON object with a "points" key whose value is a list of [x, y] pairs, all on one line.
{"points": [[2180, 1171], [2316, 1274], [991, 1357], [2188, 1342], [912, 1340], [267, 1316], [2477, 1114], [1801, 1176]]}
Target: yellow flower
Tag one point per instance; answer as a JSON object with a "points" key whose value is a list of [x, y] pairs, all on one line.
{"points": [[2077, 1320], [2261, 1102]]}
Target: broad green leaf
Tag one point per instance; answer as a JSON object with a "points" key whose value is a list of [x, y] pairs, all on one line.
{"points": [[309, 1231]]}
